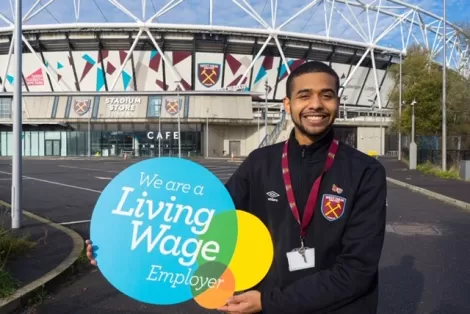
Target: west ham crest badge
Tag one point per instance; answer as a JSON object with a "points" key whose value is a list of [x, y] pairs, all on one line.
{"points": [[81, 107], [172, 106], [332, 206], [209, 74]]}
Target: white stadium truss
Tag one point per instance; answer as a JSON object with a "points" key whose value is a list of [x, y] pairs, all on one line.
{"points": [[354, 33]]}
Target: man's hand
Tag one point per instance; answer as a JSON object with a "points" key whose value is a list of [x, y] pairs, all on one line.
{"points": [[245, 303], [89, 253]]}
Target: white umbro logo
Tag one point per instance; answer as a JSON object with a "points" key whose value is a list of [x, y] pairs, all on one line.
{"points": [[272, 196]]}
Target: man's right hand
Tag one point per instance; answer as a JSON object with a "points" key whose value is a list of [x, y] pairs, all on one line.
{"points": [[89, 253]]}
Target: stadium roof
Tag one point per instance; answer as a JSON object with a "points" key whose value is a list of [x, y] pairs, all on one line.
{"points": [[371, 33], [392, 24]]}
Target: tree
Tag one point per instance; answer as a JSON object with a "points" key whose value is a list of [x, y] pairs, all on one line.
{"points": [[422, 81], [458, 104]]}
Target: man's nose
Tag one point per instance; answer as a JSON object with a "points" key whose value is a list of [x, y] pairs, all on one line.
{"points": [[315, 102]]}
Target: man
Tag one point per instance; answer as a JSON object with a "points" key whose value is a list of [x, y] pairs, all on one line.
{"points": [[330, 264], [334, 268]]}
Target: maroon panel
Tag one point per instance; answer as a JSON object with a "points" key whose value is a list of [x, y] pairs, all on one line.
{"points": [[268, 62], [293, 66], [186, 85], [87, 68], [122, 56], [237, 80], [155, 62], [179, 56], [233, 63], [105, 54], [161, 85], [110, 68]]}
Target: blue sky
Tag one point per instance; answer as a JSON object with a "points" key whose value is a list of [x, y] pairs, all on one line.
{"points": [[227, 13]]}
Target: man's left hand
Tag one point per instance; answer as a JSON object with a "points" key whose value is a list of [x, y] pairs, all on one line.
{"points": [[245, 303]]}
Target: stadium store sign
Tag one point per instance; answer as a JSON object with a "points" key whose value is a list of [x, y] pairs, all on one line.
{"points": [[122, 107]]}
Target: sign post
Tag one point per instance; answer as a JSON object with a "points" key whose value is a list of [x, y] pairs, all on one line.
{"points": [[207, 132], [444, 92], [17, 176], [179, 110], [266, 89]]}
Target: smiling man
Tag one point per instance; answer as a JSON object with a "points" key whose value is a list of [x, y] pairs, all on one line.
{"points": [[327, 219]]}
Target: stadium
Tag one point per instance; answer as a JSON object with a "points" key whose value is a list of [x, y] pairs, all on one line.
{"points": [[203, 78]]}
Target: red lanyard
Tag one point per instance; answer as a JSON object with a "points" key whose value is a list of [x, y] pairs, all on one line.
{"points": [[312, 197]]}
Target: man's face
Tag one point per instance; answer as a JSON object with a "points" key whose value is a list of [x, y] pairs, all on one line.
{"points": [[314, 103]]}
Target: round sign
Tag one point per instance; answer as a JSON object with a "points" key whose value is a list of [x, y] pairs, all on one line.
{"points": [[166, 230]]}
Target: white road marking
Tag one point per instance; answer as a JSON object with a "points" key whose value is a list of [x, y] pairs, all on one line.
{"points": [[57, 183], [92, 169], [103, 178], [74, 222]]}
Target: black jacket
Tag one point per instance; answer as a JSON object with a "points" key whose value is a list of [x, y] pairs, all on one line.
{"points": [[347, 250]]}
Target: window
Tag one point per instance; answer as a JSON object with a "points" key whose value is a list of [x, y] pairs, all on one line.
{"points": [[154, 106], [5, 108]]}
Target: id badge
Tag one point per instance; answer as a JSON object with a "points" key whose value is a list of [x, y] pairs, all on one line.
{"points": [[299, 261]]}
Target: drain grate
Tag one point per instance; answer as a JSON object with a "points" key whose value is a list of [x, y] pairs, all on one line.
{"points": [[413, 229]]}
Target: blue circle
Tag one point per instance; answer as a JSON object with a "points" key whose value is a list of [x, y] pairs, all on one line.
{"points": [[117, 224]]}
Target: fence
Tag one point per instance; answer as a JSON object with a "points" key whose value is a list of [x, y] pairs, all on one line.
{"points": [[430, 149], [435, 142], [434, 156]]}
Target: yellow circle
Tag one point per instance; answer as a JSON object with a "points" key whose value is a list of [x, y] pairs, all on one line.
{"points": [[254, 253]]}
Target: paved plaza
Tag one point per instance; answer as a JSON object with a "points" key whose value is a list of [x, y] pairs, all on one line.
{"points": [[424, 266]]}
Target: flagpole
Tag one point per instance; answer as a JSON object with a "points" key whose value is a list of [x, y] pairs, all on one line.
{"points": [[16, 180], [444, 97]]}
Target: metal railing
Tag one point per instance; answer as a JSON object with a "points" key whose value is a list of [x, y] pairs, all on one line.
{"points": [[270, 138]]}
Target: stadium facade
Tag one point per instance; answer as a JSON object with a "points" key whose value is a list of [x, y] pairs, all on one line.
{"points": [[107, 89]]}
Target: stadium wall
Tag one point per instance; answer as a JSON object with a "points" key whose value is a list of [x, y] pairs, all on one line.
{"points": [[144, 125], [145, 71], [368, 139]]}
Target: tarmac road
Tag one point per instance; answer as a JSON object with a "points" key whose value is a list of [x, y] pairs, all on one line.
{"points": [[424, 266]]}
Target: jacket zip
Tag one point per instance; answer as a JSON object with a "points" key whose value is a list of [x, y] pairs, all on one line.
{"points": [[301, 175]]}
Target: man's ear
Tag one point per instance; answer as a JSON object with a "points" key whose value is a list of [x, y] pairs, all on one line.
{"points": [[286, 102]]}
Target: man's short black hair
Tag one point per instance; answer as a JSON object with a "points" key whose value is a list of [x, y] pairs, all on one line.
{"points": [[310, 67]]}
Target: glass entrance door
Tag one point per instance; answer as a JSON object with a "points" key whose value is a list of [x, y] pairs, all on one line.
{"points": [[52, 147]]}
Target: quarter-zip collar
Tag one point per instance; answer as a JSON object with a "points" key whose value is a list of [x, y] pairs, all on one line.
{"points": [[304, 151]]}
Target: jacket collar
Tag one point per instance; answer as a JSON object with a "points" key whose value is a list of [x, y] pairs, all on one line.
{"points": [[321, 144]]}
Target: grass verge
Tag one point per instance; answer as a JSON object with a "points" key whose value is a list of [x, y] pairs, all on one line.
{"points": [[429, 168], [11, 246]]}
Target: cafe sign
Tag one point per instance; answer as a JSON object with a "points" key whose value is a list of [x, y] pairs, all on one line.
{"points": [[159, 136]]}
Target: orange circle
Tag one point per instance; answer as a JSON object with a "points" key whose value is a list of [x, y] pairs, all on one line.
{"points": [[216, 296]]}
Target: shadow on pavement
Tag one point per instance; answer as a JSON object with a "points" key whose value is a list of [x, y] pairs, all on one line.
{"points": [[401, 287], [93, 294], [449, 309]]}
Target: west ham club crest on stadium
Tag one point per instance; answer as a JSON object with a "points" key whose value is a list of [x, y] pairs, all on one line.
{"points": [[81, 106], [171, 106], [209, 73]]}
